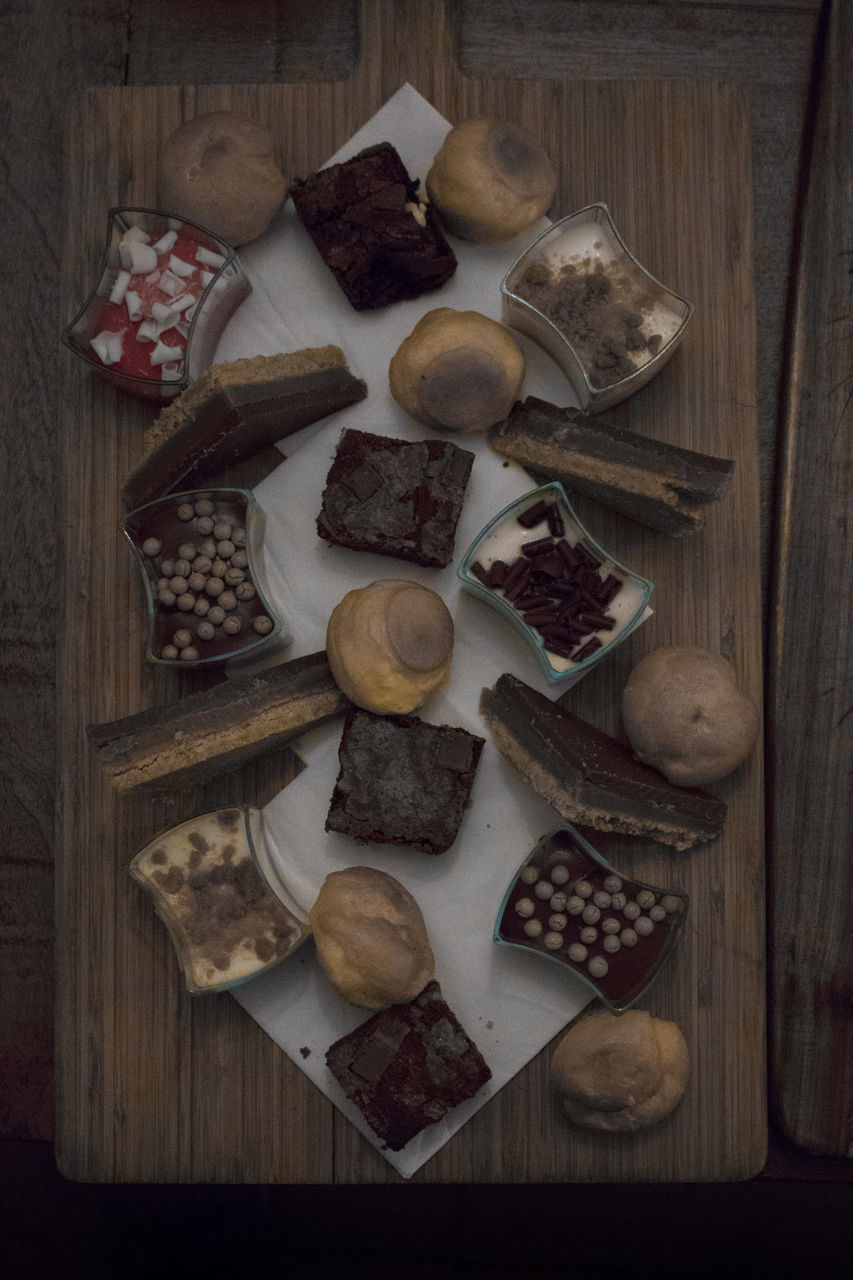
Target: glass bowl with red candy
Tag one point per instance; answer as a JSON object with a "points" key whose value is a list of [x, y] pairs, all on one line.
{"points": [[537, 565], [568, 905], [166, 291]]}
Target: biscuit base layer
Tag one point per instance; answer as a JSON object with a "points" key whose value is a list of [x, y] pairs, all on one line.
{"points": [[657, 484], [235, 409], [190, 741]]}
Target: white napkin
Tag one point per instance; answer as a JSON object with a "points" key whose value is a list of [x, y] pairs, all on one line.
{"points": [[509, 1001]]}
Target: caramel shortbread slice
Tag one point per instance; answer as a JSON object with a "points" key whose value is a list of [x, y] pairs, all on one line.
{"points": [[590, 777], [656, 484], [208, 733], [235, 409]]}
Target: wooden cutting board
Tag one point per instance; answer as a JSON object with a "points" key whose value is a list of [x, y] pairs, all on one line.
{"points": [[157, 1086]]}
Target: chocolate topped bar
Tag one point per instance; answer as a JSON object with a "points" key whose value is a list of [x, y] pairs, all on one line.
{"points": [[590, 777], [407, 1066], [402, 781], [235, 409], [395, 497], [188, 742], [657, 484], [381, 241]]}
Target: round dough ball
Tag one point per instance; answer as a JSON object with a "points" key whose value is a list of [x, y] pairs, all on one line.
{"points": [[490, 180], [620, 1073], [220, 170], [390, 645], [371, 938], [684, 715], [457, 371]]}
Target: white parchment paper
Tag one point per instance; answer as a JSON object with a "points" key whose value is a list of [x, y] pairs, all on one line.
{"points": [[510, 1002]]}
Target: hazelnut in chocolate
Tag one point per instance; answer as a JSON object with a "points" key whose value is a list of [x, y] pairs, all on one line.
{"points": [[199, 555], [567, 903]]}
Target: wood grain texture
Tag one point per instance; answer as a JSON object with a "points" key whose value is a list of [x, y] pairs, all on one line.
{"points": [[154, 1085], [52, 49], [763, 47], [810, 654]]}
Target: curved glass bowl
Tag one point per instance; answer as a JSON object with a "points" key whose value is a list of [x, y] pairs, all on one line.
{"points": [[152, 280], [200, 555], [226, 919], [501, 543], [609, 324], [567, 904]]}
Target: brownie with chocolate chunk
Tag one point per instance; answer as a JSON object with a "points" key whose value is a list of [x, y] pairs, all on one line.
{"points": [[402, 781], [395, 497], [407, 1066], [382, 242]]}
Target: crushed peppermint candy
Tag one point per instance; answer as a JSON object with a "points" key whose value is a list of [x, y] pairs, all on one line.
{"points": [[144, 323]]}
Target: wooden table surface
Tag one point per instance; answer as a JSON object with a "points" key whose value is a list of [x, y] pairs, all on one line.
{"points": [[787, 60]]}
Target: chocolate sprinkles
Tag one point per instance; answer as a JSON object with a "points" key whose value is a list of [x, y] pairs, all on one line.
{"points": [[556, 587]]}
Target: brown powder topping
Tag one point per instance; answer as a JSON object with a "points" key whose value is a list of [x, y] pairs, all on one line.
{"points": [[229, 921], [599, 309]]}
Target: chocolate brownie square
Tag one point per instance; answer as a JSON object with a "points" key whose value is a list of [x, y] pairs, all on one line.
{"points": [[407, 1066], [402, 781], [381, 241], [395, 497]]}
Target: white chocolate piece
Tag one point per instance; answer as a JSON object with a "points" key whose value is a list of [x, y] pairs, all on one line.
{"points": [[171, 284], [209, 257], [137, 257], [138, 234], [108, 345], [164, 244], [119, 289], [133, 302], [163, 354], [179, 267]]}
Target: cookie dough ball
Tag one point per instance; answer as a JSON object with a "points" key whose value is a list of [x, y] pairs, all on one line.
{"points": [[685, 715], [457, 371], [490, 180], [390, 645], [220, 170], [371, 938], [620, 1073]]}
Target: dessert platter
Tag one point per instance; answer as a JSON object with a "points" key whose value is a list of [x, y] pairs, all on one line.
{"points": [[427, 628]]}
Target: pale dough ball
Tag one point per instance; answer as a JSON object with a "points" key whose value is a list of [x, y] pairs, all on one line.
{"points": [[390, 645], [371, 938], [457, 371], [685, 715], [490, 180], [220, 170], [620, 1073]]}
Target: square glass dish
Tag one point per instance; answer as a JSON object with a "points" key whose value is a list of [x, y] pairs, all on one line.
{"points": [[201, 559], [166, 291], [539, 567], [229, 917], [608, 323], [567, 904]]}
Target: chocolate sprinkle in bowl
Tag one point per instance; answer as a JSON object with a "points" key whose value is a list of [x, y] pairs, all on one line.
{"points": [[537, 565]]}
